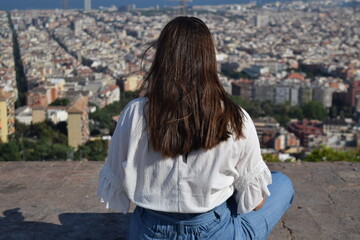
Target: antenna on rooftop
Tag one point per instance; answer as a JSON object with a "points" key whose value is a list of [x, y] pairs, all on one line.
{"points": [[182, 8]]}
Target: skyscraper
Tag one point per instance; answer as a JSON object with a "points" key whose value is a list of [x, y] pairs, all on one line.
{"points": [[87, 5], [65, 4]]}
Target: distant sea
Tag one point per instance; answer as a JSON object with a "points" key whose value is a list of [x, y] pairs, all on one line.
{"points": [[52, 4]]}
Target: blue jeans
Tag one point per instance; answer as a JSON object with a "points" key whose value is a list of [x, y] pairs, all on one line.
{"points": [[220, 223]]}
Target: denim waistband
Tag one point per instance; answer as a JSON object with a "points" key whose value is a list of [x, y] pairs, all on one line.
{"points": [[194, 219]]}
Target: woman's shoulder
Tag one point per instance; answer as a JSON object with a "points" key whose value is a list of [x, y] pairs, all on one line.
{"points": [[248, 124], [137, 101], [133, 112], [133, 108], [135, 104], [246, 117]]}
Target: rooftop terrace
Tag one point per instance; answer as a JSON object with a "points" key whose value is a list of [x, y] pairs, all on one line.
{"points": [[57, 200]]}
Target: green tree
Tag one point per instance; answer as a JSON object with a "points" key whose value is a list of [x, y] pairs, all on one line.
{"points": [[92, 151], [314, 110], [9, 152], [330, 154], [253, 108], [268, 157], [43, 150], [41, 142], [268, 108], [46, 131], [21, 129], [296, 112], [281, 113], [283, 119], [61, 127], [61, 102], [58, 152], [103, 118]]}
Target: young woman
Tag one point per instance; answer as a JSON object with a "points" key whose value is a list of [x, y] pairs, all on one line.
{"points": [[186, 155]]}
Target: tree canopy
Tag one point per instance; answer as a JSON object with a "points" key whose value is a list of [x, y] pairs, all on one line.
{"points": [[103, 118], [281, 112], [314, 110], [330, 154], [61, 102]]}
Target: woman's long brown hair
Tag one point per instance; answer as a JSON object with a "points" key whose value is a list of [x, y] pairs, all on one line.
{"points": [[188, 108]]}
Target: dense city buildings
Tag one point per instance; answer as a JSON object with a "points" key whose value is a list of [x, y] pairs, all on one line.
{"points": [[267, 128], [287, 54], [307, 131], [8, 90]]}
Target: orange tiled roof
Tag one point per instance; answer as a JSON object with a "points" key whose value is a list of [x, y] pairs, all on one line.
{"points": [[296, 76], [334, 85]]}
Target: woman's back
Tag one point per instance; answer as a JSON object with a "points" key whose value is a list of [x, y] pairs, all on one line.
{"points": [[187, 149], [192, 183]]}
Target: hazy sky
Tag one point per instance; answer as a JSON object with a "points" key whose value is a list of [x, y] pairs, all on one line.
{"points": [[43, 4]]}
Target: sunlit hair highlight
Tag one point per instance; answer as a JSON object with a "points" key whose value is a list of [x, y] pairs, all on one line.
{"points": [[188, 108]]}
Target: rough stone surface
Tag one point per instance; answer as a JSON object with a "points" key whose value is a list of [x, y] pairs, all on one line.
{"points": [[57, 200]]}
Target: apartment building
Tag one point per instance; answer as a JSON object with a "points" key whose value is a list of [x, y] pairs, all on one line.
{"points": [[78, 122], [7, 115]]}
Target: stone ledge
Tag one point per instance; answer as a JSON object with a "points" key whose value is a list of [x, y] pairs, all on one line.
{"points": [[57, 200]]}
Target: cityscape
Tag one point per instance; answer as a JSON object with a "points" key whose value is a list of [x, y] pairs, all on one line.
{"points": [[66, 74]]}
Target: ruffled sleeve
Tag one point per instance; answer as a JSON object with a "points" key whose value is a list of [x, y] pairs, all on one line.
{"points": [[254, 175], [110, 186], [111, 192], [252, 188]]}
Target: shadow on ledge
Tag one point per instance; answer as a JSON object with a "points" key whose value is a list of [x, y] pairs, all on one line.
{"points": [[82, 226]]}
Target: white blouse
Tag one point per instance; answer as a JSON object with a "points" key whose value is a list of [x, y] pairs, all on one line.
{"points": [[135, 172]]}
